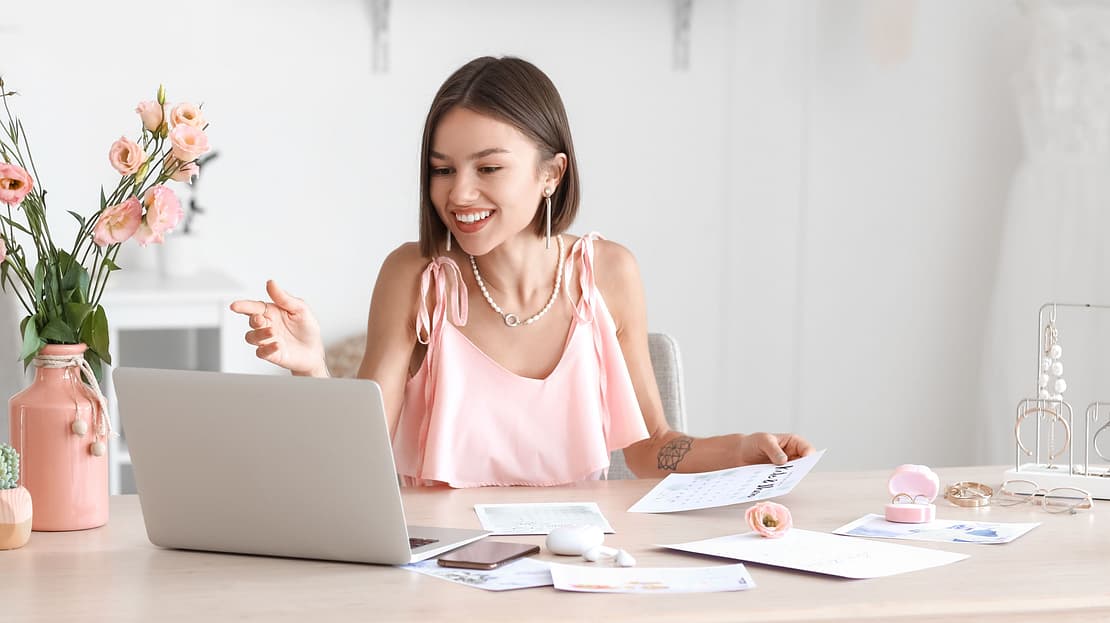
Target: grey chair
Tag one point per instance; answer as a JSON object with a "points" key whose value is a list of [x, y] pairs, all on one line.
{"points": [[667, 363]]}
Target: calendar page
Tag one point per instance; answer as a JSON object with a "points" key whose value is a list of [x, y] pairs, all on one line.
{"points": [[687, 492]]}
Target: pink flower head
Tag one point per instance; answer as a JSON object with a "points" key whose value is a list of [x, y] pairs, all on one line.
{"points": [[189, 143], [185, 171], [163, 213], [152, 113], [126, 156], [769, 519], [187, 114], [118, 223], [15, 183]]}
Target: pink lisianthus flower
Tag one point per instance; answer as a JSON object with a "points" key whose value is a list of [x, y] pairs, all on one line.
{"points": [[185, 171], [152, 113], [189, 143], [126, 156], [163, 213], [187, 114], [769, 519], [118, 223], [15, 183]]}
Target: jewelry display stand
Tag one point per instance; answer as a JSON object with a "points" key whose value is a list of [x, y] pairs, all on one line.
{"points": [[1054, 464]]}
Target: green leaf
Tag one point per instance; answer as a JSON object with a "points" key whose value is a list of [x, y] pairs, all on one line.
{"points": [[40, 278], [56, 330], [74, 275], [80, 219], [94, 333], [109, 264], [76, 312], [15, 225], [96, 364], [31, 341], [103, 199]]}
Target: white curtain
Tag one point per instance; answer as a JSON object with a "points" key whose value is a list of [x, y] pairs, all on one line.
{"points": [[1056, 224]]}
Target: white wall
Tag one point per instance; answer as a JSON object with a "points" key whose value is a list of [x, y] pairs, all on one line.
{"points": [[813, 226], [907, 172]]}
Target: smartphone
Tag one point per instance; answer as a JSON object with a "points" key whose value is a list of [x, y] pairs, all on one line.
{"points": [[486, 554]]}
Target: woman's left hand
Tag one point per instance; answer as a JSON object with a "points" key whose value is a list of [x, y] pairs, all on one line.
{"points": [[758, 448]]}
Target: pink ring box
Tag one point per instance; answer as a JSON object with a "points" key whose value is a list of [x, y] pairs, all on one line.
{"points": [[908, 485]]}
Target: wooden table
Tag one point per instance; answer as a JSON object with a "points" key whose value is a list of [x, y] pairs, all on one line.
{"points": [[1058, 572]]}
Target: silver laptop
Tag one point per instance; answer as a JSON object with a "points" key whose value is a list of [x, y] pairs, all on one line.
{"points": [[269, 465]]}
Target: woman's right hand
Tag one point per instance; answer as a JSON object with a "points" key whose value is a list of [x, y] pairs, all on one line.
{"points": [[285, 332]]}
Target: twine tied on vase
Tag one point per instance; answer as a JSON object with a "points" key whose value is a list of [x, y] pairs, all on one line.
{"points": [[102, 425]]}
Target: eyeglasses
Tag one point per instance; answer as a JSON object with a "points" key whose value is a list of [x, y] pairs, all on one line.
{"points": [[1054, 500]]}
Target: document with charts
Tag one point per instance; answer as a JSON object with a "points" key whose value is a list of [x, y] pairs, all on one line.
{"points": [[687, 492], [539, 517], [820, 552]]}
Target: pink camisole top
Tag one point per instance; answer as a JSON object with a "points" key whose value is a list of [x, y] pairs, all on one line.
{"points": [[469, 422]]}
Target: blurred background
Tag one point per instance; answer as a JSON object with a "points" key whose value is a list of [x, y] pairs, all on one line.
{"points": [[847, 213]]}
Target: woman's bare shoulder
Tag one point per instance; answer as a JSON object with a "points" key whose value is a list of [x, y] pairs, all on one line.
{"points": [[399, 276], [404, 262], [618, 279], [614, 264]]}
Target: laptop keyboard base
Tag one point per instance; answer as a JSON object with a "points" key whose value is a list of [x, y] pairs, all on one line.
{"points": [[415, 542]]}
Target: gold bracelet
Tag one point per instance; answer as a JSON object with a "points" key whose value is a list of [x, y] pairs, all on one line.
{"points": [[968, 494]]}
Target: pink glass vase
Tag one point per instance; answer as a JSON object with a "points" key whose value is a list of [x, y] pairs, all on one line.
{"points": [[68, 483]]}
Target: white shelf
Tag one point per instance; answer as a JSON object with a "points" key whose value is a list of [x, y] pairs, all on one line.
{"points": [[1097, 484], [143, 300]]}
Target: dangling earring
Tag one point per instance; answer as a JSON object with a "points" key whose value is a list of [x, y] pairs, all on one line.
{"points": [[1050, 363], [547, 219], [448, 240]]}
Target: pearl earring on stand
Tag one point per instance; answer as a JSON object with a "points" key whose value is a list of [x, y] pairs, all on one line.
{"points": [[1051, 384]]}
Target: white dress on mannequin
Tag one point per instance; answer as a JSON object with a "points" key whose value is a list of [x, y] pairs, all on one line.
{"points": [[1056, 224]]}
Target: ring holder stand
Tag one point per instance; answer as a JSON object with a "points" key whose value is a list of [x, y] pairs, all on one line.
{"points": [[1044, 431]]}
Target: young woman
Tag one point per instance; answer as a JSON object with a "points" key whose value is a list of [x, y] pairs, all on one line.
{"points": [[508, 352]]}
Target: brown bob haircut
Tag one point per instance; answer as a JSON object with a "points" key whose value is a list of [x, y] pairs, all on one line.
{"points": [[518, 93]]}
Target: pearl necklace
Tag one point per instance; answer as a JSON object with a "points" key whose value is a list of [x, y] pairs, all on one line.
{"points": [[511, 319]]}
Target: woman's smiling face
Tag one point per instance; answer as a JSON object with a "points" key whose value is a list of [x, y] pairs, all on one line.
{"points": [[486, 181]]}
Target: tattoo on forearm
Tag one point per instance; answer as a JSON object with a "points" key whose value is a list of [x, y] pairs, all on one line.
{"points": [[673, 452]]}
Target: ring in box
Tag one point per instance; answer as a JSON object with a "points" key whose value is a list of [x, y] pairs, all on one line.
{"points": [[913, 487]]}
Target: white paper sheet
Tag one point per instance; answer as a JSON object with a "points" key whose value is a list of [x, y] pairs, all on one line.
{"points": [[592, 579], [541, 518], [687, 492], [941, 530], [523, 573], [821, 552]]}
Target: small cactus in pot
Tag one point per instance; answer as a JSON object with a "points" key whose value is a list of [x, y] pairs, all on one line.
{"points": [[15, 502]]}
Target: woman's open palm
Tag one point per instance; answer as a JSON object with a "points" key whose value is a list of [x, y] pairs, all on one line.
{"points": [[284, 331]]}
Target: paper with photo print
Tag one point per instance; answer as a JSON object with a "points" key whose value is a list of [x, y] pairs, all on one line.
{"points": [[750, 483], [523, 573], [821, 552], [941, 530]]}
